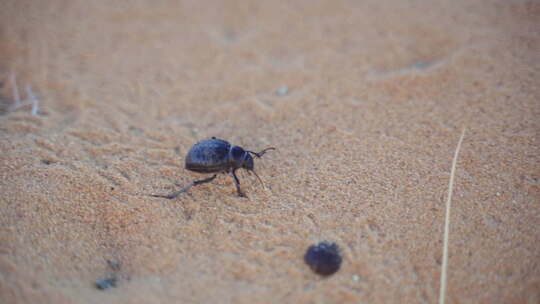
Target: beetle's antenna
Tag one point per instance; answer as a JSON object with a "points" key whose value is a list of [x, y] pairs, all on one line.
{"points": [[260, 154], [260, 180]]}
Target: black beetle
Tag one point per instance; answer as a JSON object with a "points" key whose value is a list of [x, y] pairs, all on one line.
{"points": [[323, 258], [218, 156]]}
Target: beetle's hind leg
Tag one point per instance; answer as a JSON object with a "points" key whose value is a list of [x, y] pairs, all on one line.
{"points": [[237, 183], [186, 188]]}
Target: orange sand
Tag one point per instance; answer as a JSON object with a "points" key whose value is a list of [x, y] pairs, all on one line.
{"points": [[378, 93]]}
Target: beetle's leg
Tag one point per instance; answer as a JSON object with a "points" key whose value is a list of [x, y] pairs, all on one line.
{"points": [[237, 183], [257, 175], [186, 188], [260, 154]]}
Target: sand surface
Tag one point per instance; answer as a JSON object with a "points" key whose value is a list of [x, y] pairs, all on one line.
{"points": [[365, 101]]}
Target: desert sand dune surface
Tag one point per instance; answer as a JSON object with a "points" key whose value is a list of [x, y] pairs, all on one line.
{"points": [[365, 102]]}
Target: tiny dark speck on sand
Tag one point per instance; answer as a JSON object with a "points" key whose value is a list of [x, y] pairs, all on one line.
{"points": [[106, 283], [323, 258]]}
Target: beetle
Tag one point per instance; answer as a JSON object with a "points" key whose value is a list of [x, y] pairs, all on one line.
{"points": [[218, 156], [323, 258]]}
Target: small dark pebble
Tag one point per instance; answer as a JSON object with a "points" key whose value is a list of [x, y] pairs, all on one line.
{"points": [[323, 258], [106, 283]]}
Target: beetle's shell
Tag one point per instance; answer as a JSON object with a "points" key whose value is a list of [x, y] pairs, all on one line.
{"points": [[209, 156]]}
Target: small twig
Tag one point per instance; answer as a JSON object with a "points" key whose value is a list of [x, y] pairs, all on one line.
{"points": [[442, 292], [33, 100], [15, 89]]}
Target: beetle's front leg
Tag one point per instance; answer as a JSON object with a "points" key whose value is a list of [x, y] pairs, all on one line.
{"points": [[237, 183]]}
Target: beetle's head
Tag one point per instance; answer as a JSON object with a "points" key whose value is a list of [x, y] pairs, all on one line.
{"points": [[238, 156], [248, 162], [243, 159]]}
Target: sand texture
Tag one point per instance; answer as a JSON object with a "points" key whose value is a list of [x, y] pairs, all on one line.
{"points": [[365, 102]]}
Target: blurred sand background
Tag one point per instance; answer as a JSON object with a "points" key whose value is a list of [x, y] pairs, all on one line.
{"points": [[377, 94]]}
